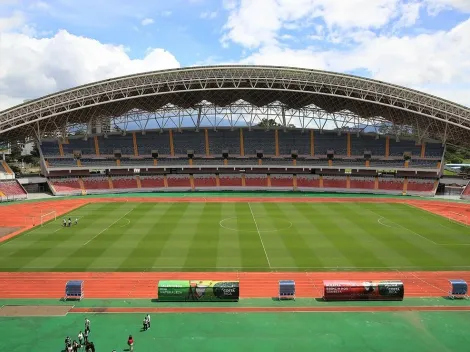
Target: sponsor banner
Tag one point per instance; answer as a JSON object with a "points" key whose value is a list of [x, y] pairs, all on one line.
{"points": [[198, 290], [363, 290], [173, 290]]}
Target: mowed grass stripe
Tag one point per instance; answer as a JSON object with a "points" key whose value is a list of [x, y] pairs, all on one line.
{"points": [[419, 251], [320, 243], [128, 235], [229, 255], [253, 257], [430, 254], [331, 218], [182, 229], [361, 225], [294, 247], [157, 235], [80, 248], [44, 252], [203, 247]]}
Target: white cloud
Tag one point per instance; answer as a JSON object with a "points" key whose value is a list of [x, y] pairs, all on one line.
{"points": [[166, 13], [436, 6], [32, 67], [16, 20], [147, 21], [245, 26], [208, 15]]}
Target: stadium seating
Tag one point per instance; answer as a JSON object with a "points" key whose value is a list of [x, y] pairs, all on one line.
{"points": [[178, 181], [367, 143], [61, 162], [124, 143], [330, 141], [334, 182], [189, 140], [11, 190], [65, 186], [152, 181], [87, 147], [392, 185], [124, 182], [208, 161], [228, 180], [96, 183], [402, 146], [151, 140], [259, 140], [221, 140], [308, 181], [282, 181], [362, 183], [254, 180], [204, 180], [294, 140], [420, 186]]}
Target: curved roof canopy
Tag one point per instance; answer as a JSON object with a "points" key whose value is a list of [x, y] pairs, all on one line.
{"points": [[292, 91]]}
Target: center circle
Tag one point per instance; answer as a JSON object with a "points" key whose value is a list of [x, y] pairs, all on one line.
{"points": [[262, 224]]}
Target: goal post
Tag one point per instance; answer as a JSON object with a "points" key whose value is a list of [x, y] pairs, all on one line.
{"points": [[52, 215]]}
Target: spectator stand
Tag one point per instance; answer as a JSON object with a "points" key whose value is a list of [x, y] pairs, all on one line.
{"points": [[459, 289], [74, 290], [286, 289]]}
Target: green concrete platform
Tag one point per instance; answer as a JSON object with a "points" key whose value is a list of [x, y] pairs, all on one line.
{"points": [[365, 332]]}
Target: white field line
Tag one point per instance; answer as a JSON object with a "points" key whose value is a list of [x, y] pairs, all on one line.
{"points": [[379, 220], [437, 215], [109, 226], [403, 227], [259, 234], [427, 283]]}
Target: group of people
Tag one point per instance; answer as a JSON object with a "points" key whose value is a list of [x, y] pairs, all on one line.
{"points": [[68, 223], [74, 346]]}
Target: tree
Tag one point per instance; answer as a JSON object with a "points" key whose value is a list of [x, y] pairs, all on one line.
{"points": [[272, 123]]}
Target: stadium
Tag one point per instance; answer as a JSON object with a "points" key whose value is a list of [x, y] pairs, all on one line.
{"points": [[236, 180]]}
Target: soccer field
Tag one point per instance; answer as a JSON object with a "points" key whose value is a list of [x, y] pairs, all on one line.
{"points": [[234, 236]]}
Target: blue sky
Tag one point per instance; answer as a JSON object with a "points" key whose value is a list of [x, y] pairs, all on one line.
{"points": [[52, 45]]}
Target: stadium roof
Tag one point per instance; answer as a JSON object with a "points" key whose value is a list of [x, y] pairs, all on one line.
{"points": [[207, 95]]}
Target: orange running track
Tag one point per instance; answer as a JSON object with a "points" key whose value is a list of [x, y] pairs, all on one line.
{"points": [[252, 285]]}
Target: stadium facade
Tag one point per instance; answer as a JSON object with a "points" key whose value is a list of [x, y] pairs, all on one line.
{"points": [[239, 128]]}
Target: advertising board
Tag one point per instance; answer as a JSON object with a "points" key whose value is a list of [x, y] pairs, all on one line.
{"points": [[198, 290], [342, 290]]}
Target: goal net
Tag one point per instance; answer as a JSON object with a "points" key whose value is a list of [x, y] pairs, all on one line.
{"points": [[52, 215]]}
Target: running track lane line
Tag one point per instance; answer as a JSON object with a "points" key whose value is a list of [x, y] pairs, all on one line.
{"points": [[109, 226], [259, 234]]}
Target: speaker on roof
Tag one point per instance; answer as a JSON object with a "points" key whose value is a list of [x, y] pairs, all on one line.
{"points": [[190, 153], [225, 153], [259, 154], [294, 154], [367, 154], [154, 154], [117, 153], [330, 153]]}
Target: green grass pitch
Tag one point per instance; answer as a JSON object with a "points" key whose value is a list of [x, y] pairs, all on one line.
{"points": [[242, 237]]}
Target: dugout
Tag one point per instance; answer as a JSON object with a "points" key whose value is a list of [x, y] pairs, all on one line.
{"points": [[458, 289], [339, 290], [74, 290]]}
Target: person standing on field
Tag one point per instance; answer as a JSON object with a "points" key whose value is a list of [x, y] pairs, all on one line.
{"points": [[148, 320]]}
